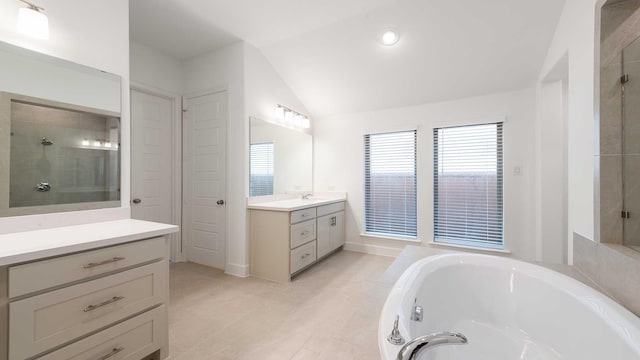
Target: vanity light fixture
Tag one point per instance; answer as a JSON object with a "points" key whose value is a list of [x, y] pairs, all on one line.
{"points": [[291, 118], [32, 21], [85, 142], [97, 143], [107, 144], [390, 37]]}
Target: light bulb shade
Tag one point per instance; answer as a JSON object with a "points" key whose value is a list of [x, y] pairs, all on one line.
{"points": [[33, 23], [278, 113], [297, 121], [289, 117], [306, 123]]}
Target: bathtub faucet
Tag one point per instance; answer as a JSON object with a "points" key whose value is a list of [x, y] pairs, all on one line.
{"points": [[413, 348]]}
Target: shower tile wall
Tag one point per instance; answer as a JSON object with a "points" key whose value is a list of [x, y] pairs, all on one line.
{"points": [[620, 26], [614, 268]]}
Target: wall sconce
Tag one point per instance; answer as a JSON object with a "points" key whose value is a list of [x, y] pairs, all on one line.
{"points": [[290, 117], [32, 22]]}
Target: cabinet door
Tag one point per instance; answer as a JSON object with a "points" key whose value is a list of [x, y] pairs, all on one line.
{"points": [[323, 235], [330, 233]]}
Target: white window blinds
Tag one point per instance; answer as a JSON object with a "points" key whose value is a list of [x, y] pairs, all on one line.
{"points": [[467, 185], [261, 169], [390, 183]]}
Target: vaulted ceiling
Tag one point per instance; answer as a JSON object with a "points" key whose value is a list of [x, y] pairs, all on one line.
{"points": [[330, 55]]}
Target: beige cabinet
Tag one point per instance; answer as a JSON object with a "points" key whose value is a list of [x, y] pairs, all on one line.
{"points": [[104, 303], [283, 243], [330, 232]]}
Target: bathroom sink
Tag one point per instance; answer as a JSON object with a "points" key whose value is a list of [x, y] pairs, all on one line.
{"points": [[316, 199]]}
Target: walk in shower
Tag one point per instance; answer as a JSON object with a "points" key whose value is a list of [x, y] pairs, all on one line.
{"points": [[630, 143]]}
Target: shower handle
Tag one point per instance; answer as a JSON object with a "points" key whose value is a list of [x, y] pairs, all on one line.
{"points": [[43, 187]]}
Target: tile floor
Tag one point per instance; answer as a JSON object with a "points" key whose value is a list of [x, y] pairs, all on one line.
{"points": [[329, 312]]}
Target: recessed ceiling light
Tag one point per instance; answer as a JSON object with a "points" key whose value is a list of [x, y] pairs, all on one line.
{"points": [[390, 37]]}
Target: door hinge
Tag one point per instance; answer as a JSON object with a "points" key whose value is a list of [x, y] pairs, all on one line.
{"points": [[626, 214], [624, 78]]}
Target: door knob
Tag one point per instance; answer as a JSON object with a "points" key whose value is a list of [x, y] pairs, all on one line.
{"points": [[136, 201], [220, 202]]}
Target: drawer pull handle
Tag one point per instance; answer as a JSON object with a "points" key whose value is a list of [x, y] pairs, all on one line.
{"points": [[306, 255], [104, 303], [115, 259], [112, 353], [305, 233]]}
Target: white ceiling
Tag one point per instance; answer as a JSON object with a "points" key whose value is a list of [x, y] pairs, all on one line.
{"points": [[329, 53]]}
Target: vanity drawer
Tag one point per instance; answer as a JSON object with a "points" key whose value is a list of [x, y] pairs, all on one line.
{"points": [[28, 278], [303, 233], [303, 256], [41, 322], [330, 208], [130, 340], [302, 215]]}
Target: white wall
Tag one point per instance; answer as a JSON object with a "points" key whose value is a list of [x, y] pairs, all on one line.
{"points": [[264, 88], [551, 179], [95, 34], [339, 162], [575, 38], [155, 69]]}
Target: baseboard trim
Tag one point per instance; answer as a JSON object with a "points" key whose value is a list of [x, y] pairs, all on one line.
{"points": [[237, 270], [373, 249]]}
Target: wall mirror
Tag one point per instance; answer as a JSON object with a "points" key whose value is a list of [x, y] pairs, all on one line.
{"points": [[59, 135], [619, 130], [281, 159]]}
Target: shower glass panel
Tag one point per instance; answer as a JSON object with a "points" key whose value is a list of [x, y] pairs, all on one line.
{"points": [[631, 144], [62, 155]]}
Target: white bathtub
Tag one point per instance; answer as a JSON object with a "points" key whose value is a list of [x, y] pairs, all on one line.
{"points": [[508, 310]]}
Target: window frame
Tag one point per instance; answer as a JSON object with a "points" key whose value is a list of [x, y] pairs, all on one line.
{"points": [[366, 172], [500, 167]]}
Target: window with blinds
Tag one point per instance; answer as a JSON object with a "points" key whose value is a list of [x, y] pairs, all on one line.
{"points": [[467, 185], [261, 169], [390, 184]]}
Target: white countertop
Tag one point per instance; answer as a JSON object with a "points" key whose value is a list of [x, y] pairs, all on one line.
{"points": [[38, 244], [295, 204]]}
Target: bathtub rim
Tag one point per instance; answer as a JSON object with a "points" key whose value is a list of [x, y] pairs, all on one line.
{"points": [[618, 318]]}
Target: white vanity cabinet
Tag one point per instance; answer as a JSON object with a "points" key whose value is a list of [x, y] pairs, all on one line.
{"points": [[105, 300], [283, 242]]}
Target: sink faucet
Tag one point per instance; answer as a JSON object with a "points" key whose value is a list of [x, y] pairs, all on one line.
{"points": [[306, 196], [413, 348]]}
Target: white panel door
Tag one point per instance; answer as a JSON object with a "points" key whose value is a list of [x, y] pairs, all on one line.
{"points": [[204, 178], [151, 157]]}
